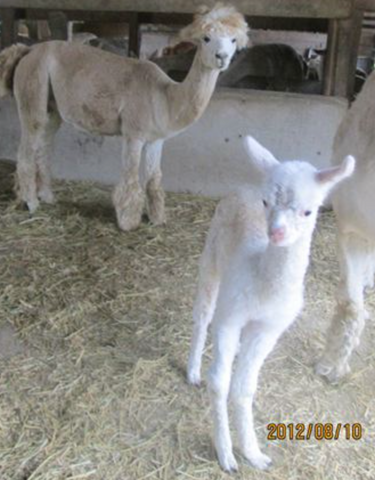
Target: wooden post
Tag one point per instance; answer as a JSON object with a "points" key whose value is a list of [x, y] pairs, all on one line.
{"points": [[347, 42], [330, 58], [357, 20], [134, 36], [58, 24], [8, 33]]}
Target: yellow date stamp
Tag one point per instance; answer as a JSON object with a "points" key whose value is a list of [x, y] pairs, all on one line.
{"points": [[317, 431]]}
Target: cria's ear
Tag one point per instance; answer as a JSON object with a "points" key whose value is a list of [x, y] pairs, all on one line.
{"points": [[260, 157], [333, 175]]}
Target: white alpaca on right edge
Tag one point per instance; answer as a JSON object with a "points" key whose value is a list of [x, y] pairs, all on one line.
{"points": [[354, 207], [251, 285]]}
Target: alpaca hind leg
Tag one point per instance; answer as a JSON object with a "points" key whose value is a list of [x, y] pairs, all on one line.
{"points": [[154, 191], [349, 319], [128, 197], [257, 342], [43, 158], [32, 96], [204, 308], [26, 181]]}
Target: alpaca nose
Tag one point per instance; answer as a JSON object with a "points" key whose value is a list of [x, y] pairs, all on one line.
{"points": [[221, 56], [277, 234]]}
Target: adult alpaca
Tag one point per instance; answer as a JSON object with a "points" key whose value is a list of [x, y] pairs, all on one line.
{"points": [[102, 93]]}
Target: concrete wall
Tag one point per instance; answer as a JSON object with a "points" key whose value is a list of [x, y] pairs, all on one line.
{"points": [[208, 158]]}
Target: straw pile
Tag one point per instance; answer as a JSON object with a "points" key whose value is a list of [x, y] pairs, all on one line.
{"points": [[98, 325]]}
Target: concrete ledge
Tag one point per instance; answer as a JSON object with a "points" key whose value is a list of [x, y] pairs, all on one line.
{"points": [[208, 158]]}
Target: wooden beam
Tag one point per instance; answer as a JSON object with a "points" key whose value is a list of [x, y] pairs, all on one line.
{"points": [[8, 31], [270, 8], [365, 5], [293, 24]]}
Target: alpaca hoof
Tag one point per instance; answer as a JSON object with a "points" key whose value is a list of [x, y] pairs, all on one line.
{"points": [[194, 378], [227, 462], [127, 223], [32, 205], [331, 372], [128, 200], [259, 461], [157, 218], [46, 196]]}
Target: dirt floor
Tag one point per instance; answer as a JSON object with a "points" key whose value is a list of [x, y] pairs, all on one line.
{"points": [[95, 327]]}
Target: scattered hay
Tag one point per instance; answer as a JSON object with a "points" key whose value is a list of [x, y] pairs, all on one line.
{"points": [[104, 318]]}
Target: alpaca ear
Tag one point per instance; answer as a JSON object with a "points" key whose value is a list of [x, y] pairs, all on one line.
{"points": [[260, 157], [243, 40], [187, 34], [333, 175]]}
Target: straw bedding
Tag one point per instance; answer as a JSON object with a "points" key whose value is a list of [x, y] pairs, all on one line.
{"points": [[95, 327]]}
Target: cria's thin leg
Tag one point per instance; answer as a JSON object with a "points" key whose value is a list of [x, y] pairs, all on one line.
{"points": [[204, 308], [154, 191], [349, 319], [256, 343], [225, 338], [128, 197]]}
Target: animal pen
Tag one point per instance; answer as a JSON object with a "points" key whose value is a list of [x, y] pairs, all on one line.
{"points": [[95, 323]]}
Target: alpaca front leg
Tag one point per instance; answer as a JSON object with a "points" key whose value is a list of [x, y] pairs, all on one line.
{"points": [[349, 319], [256, 343], [203, 312], [128, 197], [154, 192], [226, 340]]}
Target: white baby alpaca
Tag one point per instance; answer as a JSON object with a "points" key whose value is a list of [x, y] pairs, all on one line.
{"points": [[251, 285]]}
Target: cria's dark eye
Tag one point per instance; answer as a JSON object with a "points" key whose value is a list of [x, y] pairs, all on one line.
{"points": [[234, 40], [206, 39], [307, 213], [265, 203]]}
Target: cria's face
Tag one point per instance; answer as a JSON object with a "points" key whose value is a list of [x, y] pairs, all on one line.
{"points": [[291, 202], [293, 191], [217, 50]]}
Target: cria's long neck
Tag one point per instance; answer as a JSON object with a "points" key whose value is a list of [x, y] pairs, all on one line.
{"points": [[189, 99], [290, 262]]}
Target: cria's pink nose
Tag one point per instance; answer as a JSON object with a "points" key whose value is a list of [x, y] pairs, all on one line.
{"points": [[277, 234]]}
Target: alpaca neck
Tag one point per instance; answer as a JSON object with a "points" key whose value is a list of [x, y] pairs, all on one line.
{"points": [[189, 99], [287, 264]]}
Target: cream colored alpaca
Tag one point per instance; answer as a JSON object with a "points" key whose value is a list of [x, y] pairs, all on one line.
{"points": [[353, 204], [102, 93]]}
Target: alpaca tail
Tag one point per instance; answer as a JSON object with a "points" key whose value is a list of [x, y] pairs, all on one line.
{"points": [[9, 59]]}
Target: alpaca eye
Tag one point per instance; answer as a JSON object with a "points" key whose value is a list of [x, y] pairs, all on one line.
{"points": [[265, 203], [307, 213], [234, 40], [206, 39]]}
